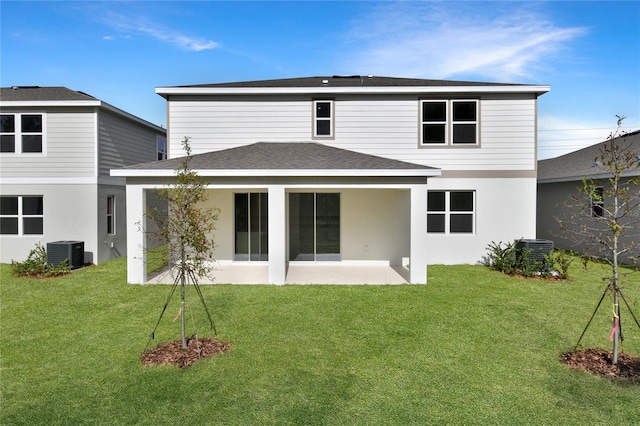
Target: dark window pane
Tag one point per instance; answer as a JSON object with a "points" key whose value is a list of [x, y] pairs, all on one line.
{"points": [[31, 143], [327, 223], [461, 223], [435, 223], [433, 133], [9, 226], [7, 123], [434, 111], [597, 203], [323, 128], [301, 226], [461, 201], [323, 109], [464, 111], [110, 205], [264, 226], [464, 133], [31, 123], [7, 143], [8, 205], [435, 201], [32, 225], [32, 206], [242, 226]]}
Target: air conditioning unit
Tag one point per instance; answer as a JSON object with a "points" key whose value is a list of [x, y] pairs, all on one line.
{"points": [[58, 251], [535, 250]]}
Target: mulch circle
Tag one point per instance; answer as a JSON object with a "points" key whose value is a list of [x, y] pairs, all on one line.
{"points": [[172, 353], [598, 361]]}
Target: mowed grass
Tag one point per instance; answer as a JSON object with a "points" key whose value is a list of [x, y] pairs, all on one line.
{"points": [[471, 347]]}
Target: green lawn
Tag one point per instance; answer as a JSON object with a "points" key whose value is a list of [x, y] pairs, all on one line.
{"points": [[471, 347]]}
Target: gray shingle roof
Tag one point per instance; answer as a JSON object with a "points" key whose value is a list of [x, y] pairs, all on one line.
{"points": [[37, 93], [581, 163], [283, 156], [348, 81]]}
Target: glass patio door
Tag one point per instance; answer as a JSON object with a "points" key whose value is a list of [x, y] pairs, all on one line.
{"points": [[314, 226], [251, 227]]}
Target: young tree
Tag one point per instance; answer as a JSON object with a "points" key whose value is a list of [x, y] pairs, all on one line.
{"points": [[604, 216], [187, 228]]}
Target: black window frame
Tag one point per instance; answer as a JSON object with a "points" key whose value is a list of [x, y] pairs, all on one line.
{"points": [[328, 122], [448, 216], [452, 130], [23, 218], [22, 138]]}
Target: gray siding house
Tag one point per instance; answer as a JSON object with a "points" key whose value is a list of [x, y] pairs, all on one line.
{"points": [[559, 178], [56, 149], [350, 171]]}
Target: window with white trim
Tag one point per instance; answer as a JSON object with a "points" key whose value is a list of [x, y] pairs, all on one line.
{"points": [[21, 215], [597, 202], [449, 122], [22, 133], [451, 212], [111, 214], [161, 147], [323, 118]]}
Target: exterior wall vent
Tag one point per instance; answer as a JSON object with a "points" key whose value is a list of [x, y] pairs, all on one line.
{"points": [[58, 251]]}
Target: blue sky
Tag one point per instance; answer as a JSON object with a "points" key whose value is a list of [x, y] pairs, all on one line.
{"points": [[120, 51]]}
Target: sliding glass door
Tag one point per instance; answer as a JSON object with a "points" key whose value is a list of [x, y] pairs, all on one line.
{"points": [[251, 227], [314, 226]]}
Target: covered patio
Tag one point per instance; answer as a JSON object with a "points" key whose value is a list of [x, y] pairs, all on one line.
{"points": [[322, 215]]}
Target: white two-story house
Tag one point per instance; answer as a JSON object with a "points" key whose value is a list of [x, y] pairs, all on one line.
{"points": [[56, 149], [351, 170]]}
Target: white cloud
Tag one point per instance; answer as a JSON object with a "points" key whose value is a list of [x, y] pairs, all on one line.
{"points": [[140, 25], [434, 40]]}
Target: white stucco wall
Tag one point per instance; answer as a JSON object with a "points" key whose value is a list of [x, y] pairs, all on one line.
{"points": [[70, 214], [505, 211]]}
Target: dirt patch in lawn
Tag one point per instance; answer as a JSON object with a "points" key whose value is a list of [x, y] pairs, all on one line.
{"points": [[598, 361], [172, 353]]}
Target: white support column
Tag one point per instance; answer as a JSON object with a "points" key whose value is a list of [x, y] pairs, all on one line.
{"points": [[277, 235], [418, 255], [136, 239]]}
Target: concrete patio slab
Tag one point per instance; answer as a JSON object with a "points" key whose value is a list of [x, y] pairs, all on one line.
{"points": [[299, 274]]}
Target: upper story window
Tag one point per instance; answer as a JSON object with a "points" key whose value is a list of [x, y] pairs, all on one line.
{"points": [[21, 215], [449, 122], [21, 133], [161, 147], [323, 118]]}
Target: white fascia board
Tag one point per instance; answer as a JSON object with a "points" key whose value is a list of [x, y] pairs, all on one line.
{"points": [[600, 176], [281, 172], [539, 90], [10, 104]]}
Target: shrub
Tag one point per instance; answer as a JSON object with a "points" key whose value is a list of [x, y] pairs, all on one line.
{"points": [[36, 265], [502, 258]]}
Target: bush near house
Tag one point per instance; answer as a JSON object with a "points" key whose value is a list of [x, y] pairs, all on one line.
{"points": [[36, 265], [510, 259]]}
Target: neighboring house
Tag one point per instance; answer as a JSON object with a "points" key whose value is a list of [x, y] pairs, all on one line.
{"points": [[57, 147], [559, 178], [351, 170]]}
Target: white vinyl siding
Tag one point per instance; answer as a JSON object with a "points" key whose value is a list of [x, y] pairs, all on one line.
{"points": [[123, 142], [69, 150], [383, 125]]}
